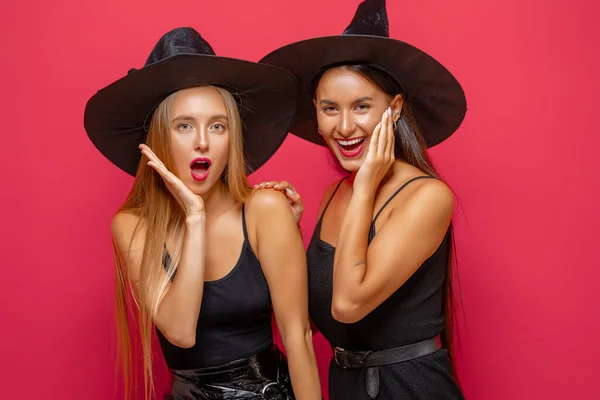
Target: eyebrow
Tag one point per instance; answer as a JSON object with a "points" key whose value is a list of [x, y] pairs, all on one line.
{"points": [[323, 102], [360, 100], [184, 117]]}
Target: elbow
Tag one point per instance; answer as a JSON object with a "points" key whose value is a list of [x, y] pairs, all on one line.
{"points": [[178, 329], [345, 310], [185, 340]]}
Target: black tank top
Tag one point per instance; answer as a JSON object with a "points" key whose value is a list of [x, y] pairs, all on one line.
{"points": [[413, 313], [235, 316]]}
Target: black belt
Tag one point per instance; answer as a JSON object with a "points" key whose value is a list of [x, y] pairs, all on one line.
{"points": [[348, 359], [264, 375]]}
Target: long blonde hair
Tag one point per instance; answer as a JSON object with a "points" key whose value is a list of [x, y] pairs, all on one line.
{"points": [[162, 218]]}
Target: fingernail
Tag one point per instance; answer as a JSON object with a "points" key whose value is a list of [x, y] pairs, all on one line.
{"points": [[276, 187], [289, 191]]}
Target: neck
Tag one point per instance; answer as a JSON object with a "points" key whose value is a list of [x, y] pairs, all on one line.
{"points": [[399, 171], [217, 200]]}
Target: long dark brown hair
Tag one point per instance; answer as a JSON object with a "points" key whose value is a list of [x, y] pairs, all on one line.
{"points": [[412, 150]]}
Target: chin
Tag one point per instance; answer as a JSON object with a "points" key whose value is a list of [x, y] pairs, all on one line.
{"points": [[199, 188], [350, 165]]}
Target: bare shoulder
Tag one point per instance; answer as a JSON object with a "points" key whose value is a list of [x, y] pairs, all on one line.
{"points": [[431, 195], [124, 226], [271, 224], [327, 195], [266, 202]]}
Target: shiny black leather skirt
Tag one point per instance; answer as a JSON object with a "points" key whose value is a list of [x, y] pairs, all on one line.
{"points": [[264, 376]]}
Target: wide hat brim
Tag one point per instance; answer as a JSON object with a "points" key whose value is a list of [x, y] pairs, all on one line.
{"points": [[435, 96], [115, 116]]}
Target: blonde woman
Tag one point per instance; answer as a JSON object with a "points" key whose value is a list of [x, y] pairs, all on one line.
{"points": [[206, 260]]}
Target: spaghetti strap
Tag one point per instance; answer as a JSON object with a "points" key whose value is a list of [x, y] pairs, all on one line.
{"points": [[244, 222], [331, 198], [372, 230]]}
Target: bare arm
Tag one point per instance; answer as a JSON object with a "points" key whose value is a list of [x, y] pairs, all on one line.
{"points": [[281, 254], [365, 276], [179, 306], [176, 312]]}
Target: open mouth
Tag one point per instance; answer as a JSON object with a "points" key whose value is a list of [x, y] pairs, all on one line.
{"points": [[351, 147], [200, 168]]}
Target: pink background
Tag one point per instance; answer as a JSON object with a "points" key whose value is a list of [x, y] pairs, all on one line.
{"points": [[523, 165]]}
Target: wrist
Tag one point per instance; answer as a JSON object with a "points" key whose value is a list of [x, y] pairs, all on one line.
{"points": [[363, 195], [364, 186], [197, 219]]}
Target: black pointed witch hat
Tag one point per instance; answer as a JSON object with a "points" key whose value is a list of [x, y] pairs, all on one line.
{"points": [[436, 98], [117, 116]]}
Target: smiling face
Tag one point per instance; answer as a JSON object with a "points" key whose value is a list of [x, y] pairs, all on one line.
{"points": [[349, 107]]}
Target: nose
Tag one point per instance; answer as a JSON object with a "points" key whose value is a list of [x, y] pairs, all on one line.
{"points": [[346, 126], [201, 143]]}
